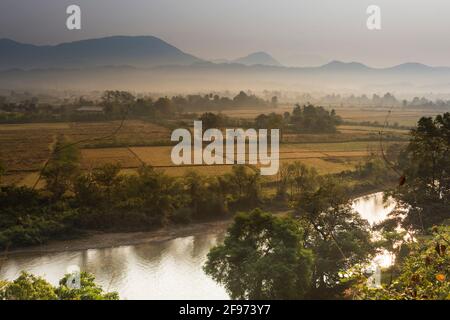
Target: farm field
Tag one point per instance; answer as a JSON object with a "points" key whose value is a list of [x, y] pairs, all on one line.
{"points": [[132, 132], [325, 157], [404, 117], [26, 147]]}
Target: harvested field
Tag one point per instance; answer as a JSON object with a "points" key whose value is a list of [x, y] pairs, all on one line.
{"points": [[24, 148], [365, 129], [326, 157], [34, 126], [326, 165], [155, 156], [133, 132], [402, 116], [92, 158]]}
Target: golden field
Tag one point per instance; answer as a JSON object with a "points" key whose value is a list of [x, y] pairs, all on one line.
{"points": [[404, 117], [26, 147]]}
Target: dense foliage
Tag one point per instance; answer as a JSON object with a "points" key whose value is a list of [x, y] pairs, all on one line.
{"points": [[311, 119], [422, 267], [105, 199], [30, 287], [254, 258], [424, 273], [303, 119], [425, 164], [115, 104], [336, 234], [262, 258]]}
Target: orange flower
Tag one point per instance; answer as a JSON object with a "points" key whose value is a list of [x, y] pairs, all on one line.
{"points": [[440, 277]]}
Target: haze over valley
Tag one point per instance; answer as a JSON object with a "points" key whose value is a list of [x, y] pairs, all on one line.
{"points": [[148, 63]]}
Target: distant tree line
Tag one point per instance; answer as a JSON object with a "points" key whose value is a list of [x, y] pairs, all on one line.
{"points": [[386, 100], [303, 119], [115, 104]]}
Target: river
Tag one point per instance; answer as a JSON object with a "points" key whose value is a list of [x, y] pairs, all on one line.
{"points": [[169, 269]]}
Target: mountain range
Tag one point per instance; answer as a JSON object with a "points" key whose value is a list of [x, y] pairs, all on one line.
{"points": [[147, 61], [144, 51], [141, 51], [253, 59]]}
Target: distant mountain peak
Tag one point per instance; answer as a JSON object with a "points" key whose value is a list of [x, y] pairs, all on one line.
{"points": [[137, 51], [258, 58], [344, 66], [6, 40], [411, 66]]}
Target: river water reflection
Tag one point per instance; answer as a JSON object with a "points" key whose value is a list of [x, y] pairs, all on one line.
{"points": [[164, 270]]}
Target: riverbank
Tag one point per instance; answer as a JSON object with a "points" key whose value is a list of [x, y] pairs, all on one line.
{"points": [[99, 240]]}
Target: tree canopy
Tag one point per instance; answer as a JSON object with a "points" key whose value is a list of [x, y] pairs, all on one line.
{"points": [[424, 274], [426, 166], [336, 234], [31, 287], [262, 257]]}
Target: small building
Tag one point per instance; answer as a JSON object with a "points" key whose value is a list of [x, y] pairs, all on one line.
{"points": [[90, 110]]}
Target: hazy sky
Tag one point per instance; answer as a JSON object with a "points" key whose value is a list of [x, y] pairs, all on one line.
{"points": [[296, 32]]}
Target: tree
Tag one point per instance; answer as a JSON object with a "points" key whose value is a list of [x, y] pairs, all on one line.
{"points": [[117, 102], [144, 106], [335, 233], [61, 168], [249, 100], [151, 193], [424, 274], [294, 178], [262, 257], [96, 188], [212, 121], [30, 287], [274, 101], [164, 106], [312, 119], [244, 186], [88, 290], [204, 195], [426, 167], [270, 121]]}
